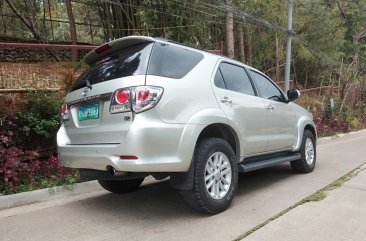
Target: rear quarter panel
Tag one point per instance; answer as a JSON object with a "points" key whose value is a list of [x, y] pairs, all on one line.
{"points": [[184, 97]]}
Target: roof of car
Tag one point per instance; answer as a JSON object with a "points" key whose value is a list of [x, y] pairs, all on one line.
{"points": [[124, 42]]}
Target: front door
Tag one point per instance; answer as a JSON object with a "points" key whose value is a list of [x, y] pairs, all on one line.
{"points": [[246, 111], [281, 126]]}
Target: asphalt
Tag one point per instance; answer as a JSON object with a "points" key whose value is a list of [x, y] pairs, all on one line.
{"points": [[340, 216], [156, 212]]}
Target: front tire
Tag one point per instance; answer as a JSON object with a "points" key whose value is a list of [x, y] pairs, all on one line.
{"points": [[215, 177], [121, 186], [308, 154]]}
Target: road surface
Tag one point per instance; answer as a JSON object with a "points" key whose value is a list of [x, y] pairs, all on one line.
{"points": [[156, 212]]}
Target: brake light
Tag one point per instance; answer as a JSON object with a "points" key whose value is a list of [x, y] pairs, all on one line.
{"points": [[102, 48], [136, 99], [120, 101], [122, 96], [64, 112], [142, 94]]}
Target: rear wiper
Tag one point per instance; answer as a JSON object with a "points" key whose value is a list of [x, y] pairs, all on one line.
{"points": [[88, 84]]}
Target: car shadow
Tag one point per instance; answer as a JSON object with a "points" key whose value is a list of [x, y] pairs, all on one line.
{"points": [[157, 200]]}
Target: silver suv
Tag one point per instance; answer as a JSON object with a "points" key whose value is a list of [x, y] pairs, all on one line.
{"points": [[149, 106]]}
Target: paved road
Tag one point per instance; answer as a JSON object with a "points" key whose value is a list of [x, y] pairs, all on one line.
{"points": [[156, 212], [341, 216]]}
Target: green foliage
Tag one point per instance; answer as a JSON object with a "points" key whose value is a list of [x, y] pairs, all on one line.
{"points": [[38, 120], [20, 133]]}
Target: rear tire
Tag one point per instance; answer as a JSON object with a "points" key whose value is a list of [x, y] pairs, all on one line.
{"points": [[121, 186], [308, 154], [215, 177]]}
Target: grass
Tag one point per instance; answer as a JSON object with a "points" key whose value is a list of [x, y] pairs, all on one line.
{"points": [[315, 197]]}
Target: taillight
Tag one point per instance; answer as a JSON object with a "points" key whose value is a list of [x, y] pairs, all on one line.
{"points": [[145, 97], [64, 112], [120, 101], [136, 99], [122, 96]]}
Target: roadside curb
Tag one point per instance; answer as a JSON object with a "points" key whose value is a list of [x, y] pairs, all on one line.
{"points": [[42, 195], [330, 138]]}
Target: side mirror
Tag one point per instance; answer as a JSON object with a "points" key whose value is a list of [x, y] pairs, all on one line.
{"points": [[293, 94]]}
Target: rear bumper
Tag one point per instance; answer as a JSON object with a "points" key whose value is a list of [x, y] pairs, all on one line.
{"points": [[160, 147]]}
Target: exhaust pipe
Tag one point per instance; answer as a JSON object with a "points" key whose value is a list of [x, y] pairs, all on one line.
{"points": [[114, 172]]}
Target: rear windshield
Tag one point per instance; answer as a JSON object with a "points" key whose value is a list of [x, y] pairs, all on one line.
{"points": [[124, 62], [171, 61], [166, 60]]}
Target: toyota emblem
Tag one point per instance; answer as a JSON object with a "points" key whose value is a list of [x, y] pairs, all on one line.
{"points": [[85, 92]]}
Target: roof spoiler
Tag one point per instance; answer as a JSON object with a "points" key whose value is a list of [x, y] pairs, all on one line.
{"points": [[110, 47]]}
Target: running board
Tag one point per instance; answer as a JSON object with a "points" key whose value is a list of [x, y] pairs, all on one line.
{"points": [[267, 163]]}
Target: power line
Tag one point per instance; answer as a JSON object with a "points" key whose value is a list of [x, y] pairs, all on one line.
{"points": [[245, 16]]}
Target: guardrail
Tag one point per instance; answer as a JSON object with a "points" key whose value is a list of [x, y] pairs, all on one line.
{"points": [[28, 90], [44, 46]]}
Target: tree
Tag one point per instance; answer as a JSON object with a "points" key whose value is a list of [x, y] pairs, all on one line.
{"points": [[229, 28], [29, 24], [74, 51], [241, 44]]}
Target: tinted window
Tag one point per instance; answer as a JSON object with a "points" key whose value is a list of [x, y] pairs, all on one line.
{"points": [[236, 79], [171, 61], [266, 88], [125, 62], [219, 81]]}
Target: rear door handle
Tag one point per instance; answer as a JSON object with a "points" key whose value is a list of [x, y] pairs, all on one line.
{"points": [[270, 107], [226, 100]]}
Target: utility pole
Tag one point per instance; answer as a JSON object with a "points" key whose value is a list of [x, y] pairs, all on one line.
{"points": [[288, 46]]}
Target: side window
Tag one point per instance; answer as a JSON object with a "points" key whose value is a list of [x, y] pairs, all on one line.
{"points": [[219, 81], [266, 87], [236, 79]]}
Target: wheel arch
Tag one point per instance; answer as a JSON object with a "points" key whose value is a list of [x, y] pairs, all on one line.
{"points": [[304, 124], [312, 129], [223, 131], [211, 122]]}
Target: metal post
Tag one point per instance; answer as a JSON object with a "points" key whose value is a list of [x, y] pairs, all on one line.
{"points": [[288, 46]]}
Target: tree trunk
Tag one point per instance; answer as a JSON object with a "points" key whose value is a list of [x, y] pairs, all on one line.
{"points": [[277, 59], [248, 47], [50, 14], [229, 26], [241, 44], [31, 12], [74, 41]]}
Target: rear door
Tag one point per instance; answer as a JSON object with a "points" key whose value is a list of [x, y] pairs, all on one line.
{"points": [[90, 121], [281, 127], [246, 112]]}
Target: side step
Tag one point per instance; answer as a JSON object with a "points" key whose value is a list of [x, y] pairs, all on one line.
{"points": [[268, 162]]}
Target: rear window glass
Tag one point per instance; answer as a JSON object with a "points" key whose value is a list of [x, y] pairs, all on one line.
{"points": [[171, 61], [128, 61]]}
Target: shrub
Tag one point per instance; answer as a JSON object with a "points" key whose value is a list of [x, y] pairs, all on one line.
{"points": [[331, 127], [38, 120], [35, 125]]}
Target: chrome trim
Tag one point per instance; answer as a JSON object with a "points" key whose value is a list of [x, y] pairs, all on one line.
{"points": [[106, 96]]}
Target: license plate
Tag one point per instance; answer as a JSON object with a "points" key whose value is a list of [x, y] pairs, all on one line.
{"points": [[88, 112]]}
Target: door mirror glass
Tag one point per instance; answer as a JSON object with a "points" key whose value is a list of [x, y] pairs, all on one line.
{"points": [[293, 94]]}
